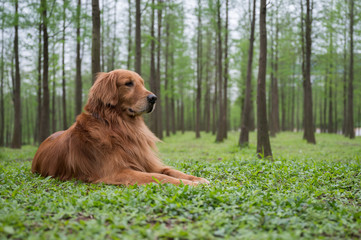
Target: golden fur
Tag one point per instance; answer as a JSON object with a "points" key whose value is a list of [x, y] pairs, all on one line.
{"points": [[109, 142]]}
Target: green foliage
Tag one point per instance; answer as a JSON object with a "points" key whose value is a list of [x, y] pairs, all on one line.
{"points": [[306, 192]]}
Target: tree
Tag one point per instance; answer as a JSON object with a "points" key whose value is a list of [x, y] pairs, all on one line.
{"points": [[78, 80], [245, 127], [45, 116], [350, 132], [65, 125], [199, 71], [138, 43], [309, 133], [129, 33], [263, 142], [225, 83], [221, 118], [16, 142], [2, 109], [95, 39]]}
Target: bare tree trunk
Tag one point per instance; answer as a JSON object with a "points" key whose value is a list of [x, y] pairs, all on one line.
{"points": [[309, 133], [53, 112], [166, 80], [344, 85], [246, 113], [45, 116], [158, 111], [199, 71], [172, 100], [2, 110], [221, 116], [65, 125], [153, 80], [78, 78], [207, 97], [38, 115], [138, 38], [263, 143], [215, 95], [95, 39], [275, 99], [129, 33], [350, 131], [225, 83], [16, 142]]}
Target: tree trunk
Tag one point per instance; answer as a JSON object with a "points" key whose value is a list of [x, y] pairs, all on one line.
{"points": [[166, 80], [309, 133], [153, 80], [38, 115], [53, 112], [78, 78], [221, 116], [2, 110], [129, 34], [158, 111], [344, 85], [199, 71], [138, 43], [246, 113], [207, 97], [172, 99], [275, 128], [263, 142], [95, 39], [45, 116], [65, 125], [350, 132], [16, 142], [225, 83]]}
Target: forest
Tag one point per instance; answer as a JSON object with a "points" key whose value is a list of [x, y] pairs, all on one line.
{"points": [[216, 65]]}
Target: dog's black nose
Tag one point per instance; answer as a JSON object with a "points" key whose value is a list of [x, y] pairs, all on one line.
{"points": [[151, 98]]}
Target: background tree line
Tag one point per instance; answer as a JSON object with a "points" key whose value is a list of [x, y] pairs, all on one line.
{"points": [[202, 58]]}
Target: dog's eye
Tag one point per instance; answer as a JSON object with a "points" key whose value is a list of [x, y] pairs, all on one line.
{"points": [[129, 84]]}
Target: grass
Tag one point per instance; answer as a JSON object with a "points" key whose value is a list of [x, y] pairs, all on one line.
{"points": [[308, 191]]}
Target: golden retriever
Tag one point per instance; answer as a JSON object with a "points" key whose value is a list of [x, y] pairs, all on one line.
{"points": [[109, 142]]}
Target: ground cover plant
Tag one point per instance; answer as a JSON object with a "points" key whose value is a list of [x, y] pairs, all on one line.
{"points": [[307, 191]]}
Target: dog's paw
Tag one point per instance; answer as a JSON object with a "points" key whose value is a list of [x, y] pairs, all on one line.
{"points": [[201, 181]]}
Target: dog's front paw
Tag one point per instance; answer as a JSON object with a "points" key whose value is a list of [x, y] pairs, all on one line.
{"points": [[201, 180]]}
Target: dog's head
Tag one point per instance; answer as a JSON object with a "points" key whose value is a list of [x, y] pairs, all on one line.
{"points": [[123, 90]]}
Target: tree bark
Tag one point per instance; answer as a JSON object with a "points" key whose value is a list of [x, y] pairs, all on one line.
{"points": [[65, 125], [129, 34], [199, 71], [166, 80], [16, 142], [350, 123], [246, 112], [263, 142], [275, 127], [138, 38], [78, 78], [152, 82], [158, 111], [221, 116], [38, 115], [45, 116], [225, 83], [309, 133], [2, 110], [95, 39]]}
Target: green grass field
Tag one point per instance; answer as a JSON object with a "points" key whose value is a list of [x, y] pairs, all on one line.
{"points": [[308, 191]]}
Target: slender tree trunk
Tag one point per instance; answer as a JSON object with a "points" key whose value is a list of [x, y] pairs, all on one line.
{"points": [[344, 85], [166, 80], [309, 133], [225, 83], [215, 95], [330, 107], [78, 78], [16, 142], [245, 127], [95, 39], [153, 80], [138, 38], [65, 125], [2, 110], [38, 115], [172, 99], [207, 97], [221, 117], [199, 71], [350, 131], [263, 143], [45, 116], [129, 34], [274, 86], [53, 112], [158, 110]]}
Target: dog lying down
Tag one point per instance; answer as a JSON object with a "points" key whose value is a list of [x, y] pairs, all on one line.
{"points": [[109, 142]]}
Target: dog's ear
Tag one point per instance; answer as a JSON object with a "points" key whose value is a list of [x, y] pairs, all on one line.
{"points": [[105, 88]]}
